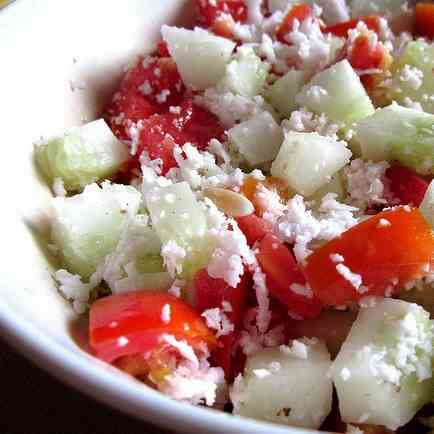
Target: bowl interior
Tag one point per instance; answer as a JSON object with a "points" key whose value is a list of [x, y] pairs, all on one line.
{"points": [[61, 62]]}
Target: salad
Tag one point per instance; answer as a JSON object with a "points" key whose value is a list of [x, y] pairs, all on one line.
{"points": [[249, 225]]}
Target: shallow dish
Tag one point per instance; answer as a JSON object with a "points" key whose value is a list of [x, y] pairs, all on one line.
{"points": [[60, 62]]}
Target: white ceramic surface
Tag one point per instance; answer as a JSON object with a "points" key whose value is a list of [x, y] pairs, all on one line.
{"points": [[59, 61]]}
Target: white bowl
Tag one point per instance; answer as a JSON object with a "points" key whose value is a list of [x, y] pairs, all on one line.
{"points": [[60, 61]]}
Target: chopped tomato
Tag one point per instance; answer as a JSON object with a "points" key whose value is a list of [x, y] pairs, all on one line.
{"points": [[341, 29], [210, 10], [150, 87], [251, 188], [424, 17], [365, 56], [129, 324], [406, 185], [254, 228], [385, 251], [161, 133], [282, 272], [299, 12], [163, 49], [222, 26], [211, 293]]}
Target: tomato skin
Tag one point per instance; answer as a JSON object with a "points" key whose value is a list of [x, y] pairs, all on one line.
{"points": [[380, 254], [281, 272], [424, 17], [299, 12], [210, 293], [341, 29], [160, 134], [136, 319], [406, 185], [254, 228], [130, 105]]}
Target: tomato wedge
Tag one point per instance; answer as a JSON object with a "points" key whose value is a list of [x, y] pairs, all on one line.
{"points": [[129, 324], [424, 17], [406, 185], [299, 12], [211, 293], [341, 29], [254, 228], [385, 251], [281, 272]]}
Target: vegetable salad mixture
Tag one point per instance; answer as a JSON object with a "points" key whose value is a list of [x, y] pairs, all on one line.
{"points": [[250, 223]]}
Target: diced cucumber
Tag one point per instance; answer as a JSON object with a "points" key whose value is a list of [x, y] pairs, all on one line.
{"points": [[82, 155], [413, 75], [245, 74], [338, 93], [335, 186], [399, 133], [427, 205], [390, 8], [86, 227], [383, 372], [177, 216], [258, 139], [307, 161], [136, 262], [281, 94], [200, 56], [287, 387]]}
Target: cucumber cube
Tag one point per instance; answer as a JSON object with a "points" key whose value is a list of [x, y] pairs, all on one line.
{"points": [[246, 73], [335, 186], [413, 75], [281, 94], [307, 161], [399, 133], [136, 262], [287, 385], [177, 216], [258, 139], [427, 205], [200, 56], [82, 155], [383, 372], [338, 93], [86, 227]]}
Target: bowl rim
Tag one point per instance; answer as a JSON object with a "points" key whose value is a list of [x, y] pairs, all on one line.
{"points": [[106, 385]]}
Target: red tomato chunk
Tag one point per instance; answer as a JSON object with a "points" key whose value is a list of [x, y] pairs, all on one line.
{"points": [[133, 323], [386, 251]]}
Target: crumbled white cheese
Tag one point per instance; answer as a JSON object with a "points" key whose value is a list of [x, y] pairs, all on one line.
{"points": [[299, 226], [165, 313], [231, 254], [304, 121], [261, 373], [367, 184], [217, 320], [336, 258], [382, 223], [297, 349], [354, 279], [263, 316], [146, 88], [162, 96], [412, 76], [173, 255], [303, 290]]}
